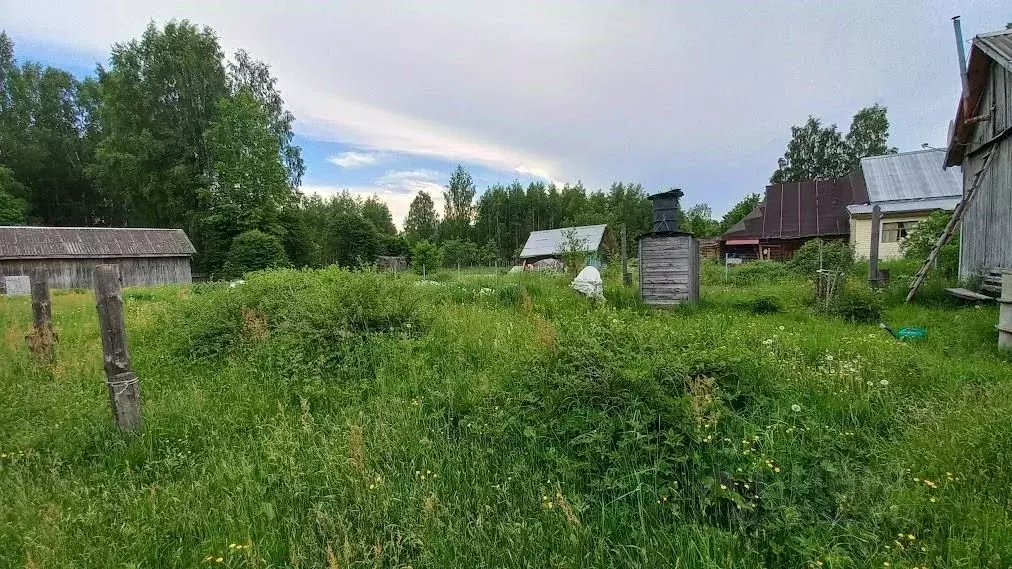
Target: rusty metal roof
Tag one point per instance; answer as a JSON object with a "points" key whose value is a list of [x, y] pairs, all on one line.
{"points": [[25, 242], [803, 209]]}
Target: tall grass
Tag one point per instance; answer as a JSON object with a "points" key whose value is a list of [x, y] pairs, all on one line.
{"points": [[334, 419]]}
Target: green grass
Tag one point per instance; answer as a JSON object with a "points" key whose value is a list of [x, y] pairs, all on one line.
{"points": [[332, 419]]}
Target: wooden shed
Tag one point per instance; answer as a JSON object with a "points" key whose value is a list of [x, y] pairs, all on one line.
{"points": [[70, 254], [668, 258], [982, 133]]}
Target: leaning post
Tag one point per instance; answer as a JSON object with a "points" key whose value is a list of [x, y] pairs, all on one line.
{"points": [[42, 339], [123, 384]]}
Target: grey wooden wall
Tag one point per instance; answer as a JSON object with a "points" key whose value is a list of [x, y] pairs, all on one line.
{"points": [[77, 273], [987, 223], [669, 269]]}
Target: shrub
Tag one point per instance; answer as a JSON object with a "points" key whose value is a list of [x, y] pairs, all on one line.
{"points": [[252, 251], [766, 304], [858, 303], [921, 240], [816, 254], [313, 314], [426, 257]]}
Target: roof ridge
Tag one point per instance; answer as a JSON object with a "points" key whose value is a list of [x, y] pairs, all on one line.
{"points": [[50, 227], [908, 152]]}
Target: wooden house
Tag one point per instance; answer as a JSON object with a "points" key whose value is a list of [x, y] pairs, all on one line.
{"points": [[982, 131], [794, 213], [907, 187], [70, 254]]}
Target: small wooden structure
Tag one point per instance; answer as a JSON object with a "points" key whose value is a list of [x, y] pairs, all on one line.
{"points": [[395, 263], [69, 254], [668, 258]]}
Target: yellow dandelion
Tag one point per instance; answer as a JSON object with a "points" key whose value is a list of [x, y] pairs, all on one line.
{"points": [[911, 537], [933, 500], [776, 469], [219, 560]]}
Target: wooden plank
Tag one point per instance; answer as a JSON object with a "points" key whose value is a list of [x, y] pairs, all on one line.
{"points": [[966, 294]]}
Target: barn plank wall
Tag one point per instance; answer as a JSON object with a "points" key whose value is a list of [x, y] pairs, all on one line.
{"points": [[77, 273], [669, 269], [987, 222]]}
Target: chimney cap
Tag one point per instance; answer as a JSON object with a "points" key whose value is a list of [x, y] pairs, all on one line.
{"points": [[672, 193]]}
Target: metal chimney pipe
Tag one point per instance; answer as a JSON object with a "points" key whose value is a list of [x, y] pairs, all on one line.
{"points": [[960, 51]]}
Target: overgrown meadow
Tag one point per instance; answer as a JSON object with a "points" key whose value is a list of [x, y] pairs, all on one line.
{"points": [[353, 419]]}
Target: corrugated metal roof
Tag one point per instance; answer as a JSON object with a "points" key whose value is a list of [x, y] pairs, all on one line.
{"points": [[23, 242], [910, 176], [929, 204], [549, 241], [998, 46]]}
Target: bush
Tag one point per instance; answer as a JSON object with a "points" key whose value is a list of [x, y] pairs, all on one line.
{"points": [[252, 251], [816, 254], [313, 314], [922, 239], [426, 257], [766, 304], [746, 274], [858, 303]]}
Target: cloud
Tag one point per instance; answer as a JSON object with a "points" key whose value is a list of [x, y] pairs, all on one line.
{"points": [[699, 96], [353, 159]]}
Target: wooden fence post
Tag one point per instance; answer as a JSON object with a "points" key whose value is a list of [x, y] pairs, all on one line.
{"points": [[123, 384], [876, 227], [42, 339], [626, 276]]}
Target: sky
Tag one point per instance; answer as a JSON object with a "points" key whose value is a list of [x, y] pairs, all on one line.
{"points": [[390, 95]]}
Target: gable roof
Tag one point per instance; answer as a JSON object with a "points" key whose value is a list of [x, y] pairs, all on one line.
{"points": [[996, 47], [910, 176], [803, 209], [24, 242], [548, 242]]}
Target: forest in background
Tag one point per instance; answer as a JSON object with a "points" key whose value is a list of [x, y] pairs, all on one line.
{"points": [[173, 133]]}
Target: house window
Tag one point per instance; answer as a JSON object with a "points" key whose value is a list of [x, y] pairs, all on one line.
{"points": [[897, 231]]}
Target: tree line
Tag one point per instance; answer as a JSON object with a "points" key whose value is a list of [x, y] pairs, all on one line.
{"points": [[172, 133]]}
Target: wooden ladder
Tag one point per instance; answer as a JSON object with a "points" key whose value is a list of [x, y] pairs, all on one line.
{"points": [[950, 228]]}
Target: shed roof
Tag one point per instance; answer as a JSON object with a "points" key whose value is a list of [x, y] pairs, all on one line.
{"points": [[910, 176], [24, 242], [996, 47], [549, 241]]}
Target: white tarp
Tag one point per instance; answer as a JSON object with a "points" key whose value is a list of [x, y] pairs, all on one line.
{"points": [[589, 283]]}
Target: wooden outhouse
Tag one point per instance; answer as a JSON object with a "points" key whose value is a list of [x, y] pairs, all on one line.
{"points": [[668, 257]]}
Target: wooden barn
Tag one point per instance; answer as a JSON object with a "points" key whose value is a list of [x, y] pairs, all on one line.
{"points": [[981, 142], [70, 254]]}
